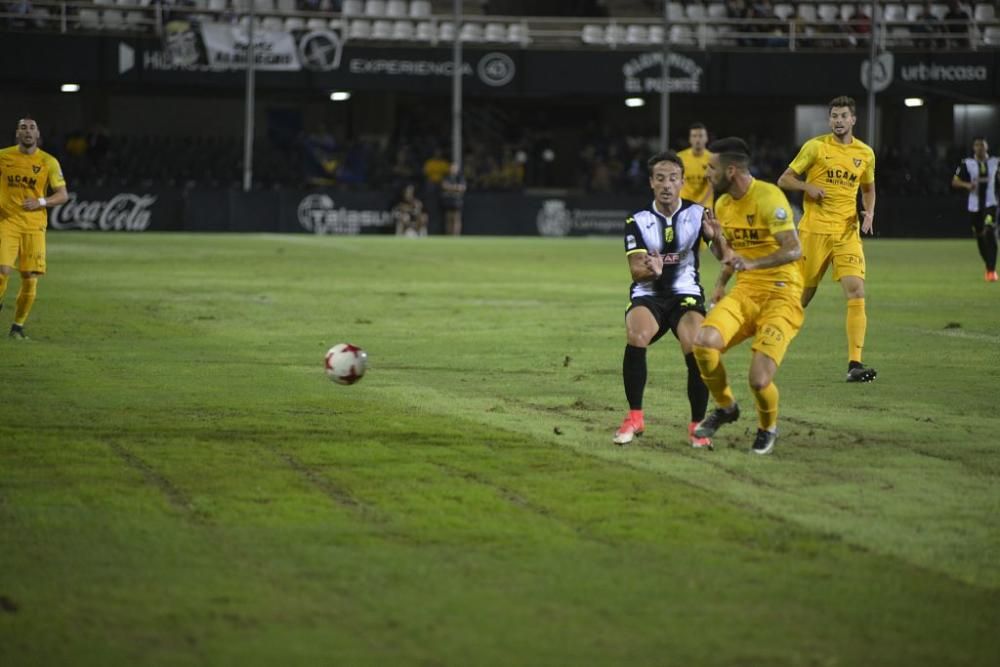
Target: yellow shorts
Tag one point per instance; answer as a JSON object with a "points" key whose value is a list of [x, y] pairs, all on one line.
{"points": [[818, 250], [24, 250], [772, 318]]}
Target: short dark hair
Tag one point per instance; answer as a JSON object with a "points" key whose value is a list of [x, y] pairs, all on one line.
{"points": [[665, 156], [731, 150], [697, 126], [26, 116], [982, 139], [844, 101]]}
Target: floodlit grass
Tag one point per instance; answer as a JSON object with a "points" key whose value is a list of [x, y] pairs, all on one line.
{"points": [[181, 485]]}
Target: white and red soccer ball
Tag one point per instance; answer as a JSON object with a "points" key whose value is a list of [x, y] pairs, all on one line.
{"points": [[345, 363]]}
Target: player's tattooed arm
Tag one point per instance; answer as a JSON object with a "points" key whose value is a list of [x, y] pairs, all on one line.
{"points": [[789, 251], [719, 290]]}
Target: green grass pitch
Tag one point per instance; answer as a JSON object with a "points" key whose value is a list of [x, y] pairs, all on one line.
{"points": [[181, 485]]}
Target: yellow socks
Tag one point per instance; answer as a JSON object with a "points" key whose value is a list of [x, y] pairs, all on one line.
{"points": [[25, 299], [714, 374], [767, 406], [857, 323]]}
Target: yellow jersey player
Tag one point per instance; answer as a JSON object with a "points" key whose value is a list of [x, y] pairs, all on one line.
{"points": [[27, 176], [697, 188], [833, 167], [759, 244]]}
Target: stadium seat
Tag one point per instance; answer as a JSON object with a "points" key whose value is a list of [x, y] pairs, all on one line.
{"points": [[495, 32], [708, 35], [293, 23], [784, 11], [938, 10], [360, 29], [828, 13], [717, 10], [446, 31], [614, 34], [426, 31], [274, 24], [317, 23], [913, 11], [991, 36], [374, 7], [420, 9], [352, 8], [286, 6], [592, 34], [104, 2], [263, 6], [899, 35], [894, 13], [382, 29], [217, 5], [696, 11], [113, 19], [682, 35], [89, 19], [471, 32], [396, 9], [984, 13], [807, 12], [637, 34], [402, 30], [675, 11], [656, 35], [517, 33]]}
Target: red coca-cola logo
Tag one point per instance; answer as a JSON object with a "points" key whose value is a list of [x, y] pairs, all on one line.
{"points": [[124, 212]]}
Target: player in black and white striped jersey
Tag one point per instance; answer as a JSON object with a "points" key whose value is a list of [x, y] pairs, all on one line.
{"points": [[661, 245], [980, 175]]}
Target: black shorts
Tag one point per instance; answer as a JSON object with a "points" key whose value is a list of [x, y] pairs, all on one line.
{"points": [[668, 310], [979, 219]]}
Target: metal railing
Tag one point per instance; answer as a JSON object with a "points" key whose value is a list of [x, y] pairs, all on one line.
{"points": [[792, 34]]}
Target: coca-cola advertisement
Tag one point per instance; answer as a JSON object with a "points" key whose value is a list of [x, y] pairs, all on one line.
{"points": [[111, 211]]}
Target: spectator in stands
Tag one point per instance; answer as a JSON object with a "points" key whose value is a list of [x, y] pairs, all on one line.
{"points": [[925, 27], [452, 198], [21, 10], [957, 22], [409, 214], [320, 158], [436, 168]]}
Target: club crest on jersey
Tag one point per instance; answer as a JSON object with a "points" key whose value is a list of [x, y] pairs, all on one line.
{"points": [[668, 234], [750, 219], [36, 168], [780, 214], [857, 162]]}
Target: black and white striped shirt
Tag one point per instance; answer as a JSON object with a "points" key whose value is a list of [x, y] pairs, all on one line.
{"points": [[676, 239]]}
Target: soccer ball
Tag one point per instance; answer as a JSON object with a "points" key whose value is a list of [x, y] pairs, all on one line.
{"points": [[345, 363]]}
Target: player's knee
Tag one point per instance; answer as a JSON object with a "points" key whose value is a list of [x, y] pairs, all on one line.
{"points": [[708, 337], [5, 270], [759, 380], [640, 337]]}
